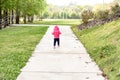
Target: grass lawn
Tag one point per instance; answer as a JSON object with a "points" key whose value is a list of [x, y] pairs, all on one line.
{"points": [[103, 44], [60, 22], [16, 46]]}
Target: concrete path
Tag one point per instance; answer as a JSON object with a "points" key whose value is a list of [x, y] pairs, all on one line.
{"points": [[68, 62]]}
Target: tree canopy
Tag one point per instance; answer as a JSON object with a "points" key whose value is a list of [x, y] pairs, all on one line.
{"points": [[21, 8]]}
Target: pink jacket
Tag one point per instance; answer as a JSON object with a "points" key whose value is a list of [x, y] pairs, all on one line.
{"points": [[56, 32]]}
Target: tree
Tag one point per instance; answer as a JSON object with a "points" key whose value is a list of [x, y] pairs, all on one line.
{"points": [[117, 1], [42, 6], [20, 8], [1, 7], [6, 9], [115, 7]]}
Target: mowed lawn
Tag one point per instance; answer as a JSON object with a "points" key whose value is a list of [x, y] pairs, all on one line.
{"points": [[60, 22], [16, 46]]}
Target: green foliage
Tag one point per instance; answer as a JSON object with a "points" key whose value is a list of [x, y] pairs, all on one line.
{"points": [[103, 45], [115, 7], [16, 46], [86, 14], [101, 14], [20, 8], [102, 11], [33, 7], [65, 12], [24, 7]]}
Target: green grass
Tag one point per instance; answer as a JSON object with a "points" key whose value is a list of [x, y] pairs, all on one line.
{"points": [[16, 46], [103, 44], [59, 22]]}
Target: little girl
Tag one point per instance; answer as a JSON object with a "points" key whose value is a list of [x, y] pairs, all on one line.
{"points": [[56, 32]]}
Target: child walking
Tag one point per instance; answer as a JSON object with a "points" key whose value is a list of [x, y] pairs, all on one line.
{"points": [[56, 32]]}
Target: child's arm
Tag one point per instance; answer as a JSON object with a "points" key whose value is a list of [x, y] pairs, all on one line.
{"points": [[52, 33], [59, 32]]}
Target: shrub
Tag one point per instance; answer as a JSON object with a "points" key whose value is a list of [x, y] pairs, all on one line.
{"points": [[115, 7], [101, 14], [86, 14]]}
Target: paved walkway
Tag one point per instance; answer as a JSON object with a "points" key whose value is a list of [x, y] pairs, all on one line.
{"points": [[68, 62]]}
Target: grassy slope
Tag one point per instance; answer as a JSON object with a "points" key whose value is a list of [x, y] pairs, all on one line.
{"points": [[103, 44], [16, 46]]}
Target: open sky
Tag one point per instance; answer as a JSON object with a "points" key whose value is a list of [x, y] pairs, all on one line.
{"points": [[79, 2]]}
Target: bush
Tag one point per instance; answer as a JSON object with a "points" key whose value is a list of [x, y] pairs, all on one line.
{"points": [[86, 14], [101, 14], [115, 8]]}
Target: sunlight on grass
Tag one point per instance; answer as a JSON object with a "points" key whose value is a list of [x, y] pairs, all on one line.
{"points": [[103, 44], [16, 46], [59, 22]]}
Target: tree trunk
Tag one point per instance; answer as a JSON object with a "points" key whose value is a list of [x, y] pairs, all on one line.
{"points": [[32, 18], [41, 16], [28, 18], [17, 16], [25, 20], [12, 17], [0, 17], [9, 18]]}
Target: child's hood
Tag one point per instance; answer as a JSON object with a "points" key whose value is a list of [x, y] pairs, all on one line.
{"points": [[56, 28]]}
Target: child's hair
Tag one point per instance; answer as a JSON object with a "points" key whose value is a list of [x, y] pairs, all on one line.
{"points": [[56, 28]]}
